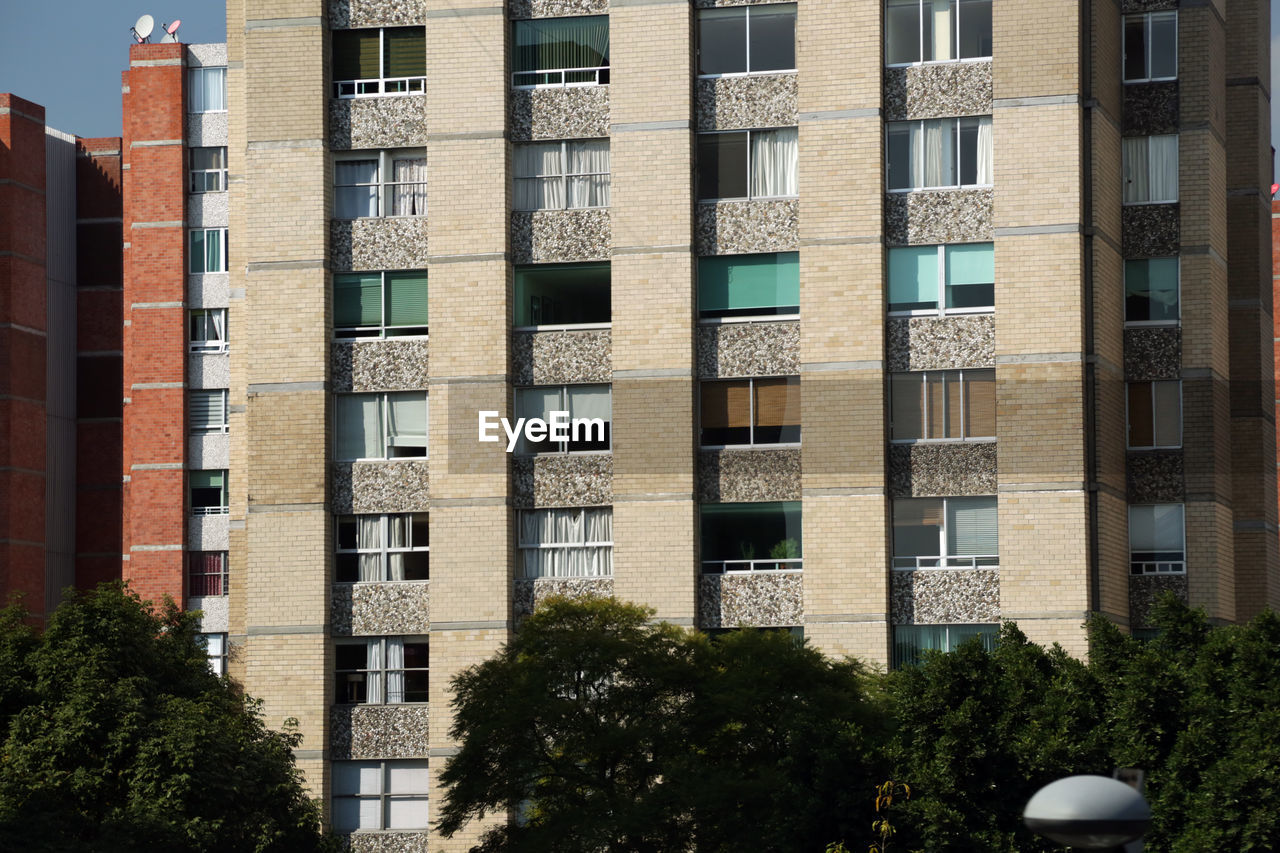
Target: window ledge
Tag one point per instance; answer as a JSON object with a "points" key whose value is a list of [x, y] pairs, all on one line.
{"points": [[752, 318], [737, 75], [952, 188], [961, 312], [379, 459], [562, 453], [943, 568], [377, 338], [928, 62], [1153, 324], [753, 447], [1148, 203], [358, 583], [565, 327], [1142, 80], [908, 442], [557, 209], [748, 198]]}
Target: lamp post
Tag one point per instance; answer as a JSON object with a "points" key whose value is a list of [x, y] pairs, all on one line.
{"points": [[1088, 813]]}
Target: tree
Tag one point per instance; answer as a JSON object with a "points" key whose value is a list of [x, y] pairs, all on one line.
{"points": [[118, 737], [603, 731]]}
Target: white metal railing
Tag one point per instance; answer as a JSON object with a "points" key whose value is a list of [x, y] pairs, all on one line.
{"points": [[1157, 567], [560, 78], [981, 561], [209, 346], [379, 86], [209, 510], [717, 567]]}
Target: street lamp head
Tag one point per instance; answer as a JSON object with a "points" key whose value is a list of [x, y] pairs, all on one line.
{"points": [[1088, 812]]}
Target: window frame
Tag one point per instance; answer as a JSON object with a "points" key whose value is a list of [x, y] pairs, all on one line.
{"points": [[924, 407], [1177, 148], [380, 330], [195, 94], [747, 37], [564, 175], [1128, 422], [956, 164], [749, 196], [751, 414], [741, 318], [383, 642], [944, 561], [897, 662], [753, 565], [222, 428], [560, 327], [386, 159], [1177, 567], [384, 550], [563, 388], [601, 71], [208, 346], [920, 43], [413, 85], [383, 796], [384, 404], [1147, 18], [224, 508], [218, 659], [192, 172], [585, 544], [1124, 293], [191, 253], [223, 576], [942, 309]]}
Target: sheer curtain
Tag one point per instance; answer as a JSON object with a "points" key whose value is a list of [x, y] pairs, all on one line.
{"points": [[407, 420], [1135, 168], [373, 683], [356, 183], [398, 537], [773, 162], [409, 195], [395, 670], [588, 173], [369, 536], [599, 528], [986, 156], [1164, 168], [538, 168], [937, 150], [359, 426]]}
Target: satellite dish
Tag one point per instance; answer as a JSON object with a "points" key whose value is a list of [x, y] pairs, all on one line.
{"points": [[172, 29], [170, 32], [142, 29]]}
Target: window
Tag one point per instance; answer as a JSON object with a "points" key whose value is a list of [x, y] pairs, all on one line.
{"points": [[1150, 166], [560, 51], [1155, 414], [751, 537], [910, 642], [208, 410], [747, 39], [748, 412], [940, 152], [208, 250], [208, 170], [748, 285], [206, 573], [942, 279], [584, 403], [207, 90], [386, 61], [386, 183], [215, 646], [209, 330], [1157, 540], [382, 425], [208, 492], [390, 670], [379, 795], [1150, 47], [937, 30], [380, 304], [931, 533], [562, 175], [562, 295], [566, 543], [383, 548], [1151, 291], [942, 405], [747, 164]]}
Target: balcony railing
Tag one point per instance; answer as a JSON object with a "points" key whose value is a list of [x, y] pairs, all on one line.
{"points": [[1158, 567], [983, 561], [209, 510], [728, 567], [560, 78], [379, 87]]}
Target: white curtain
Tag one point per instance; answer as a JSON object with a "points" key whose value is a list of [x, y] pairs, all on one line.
{"points": [[1135, 169], [398, 537], [986, 157], [572, 529], [943, 26], [369, 536], [1164, 168], [933, 152], [356, 183], [409, 195], [774, 156], [589, 173], [360, 426], [538, 170], [373, 682], [395, 670], [214, 89], [590, 401]]}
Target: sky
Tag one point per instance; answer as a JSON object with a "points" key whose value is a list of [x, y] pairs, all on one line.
{"points": [[68, 54]]}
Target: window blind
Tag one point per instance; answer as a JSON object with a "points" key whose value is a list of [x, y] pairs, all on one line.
{"points": [[777, 402], [971, 527], [404, 52], [971, 264], [981, 411], [406, 298], [355, 55], [739, 282], [207, 410], [725, 405], [549, 44], [357, 299], [1141, 415], [913, 278], [206, 479]]}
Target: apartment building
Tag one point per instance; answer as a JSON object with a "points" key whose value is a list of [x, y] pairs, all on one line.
{"points": [[905, 317]]}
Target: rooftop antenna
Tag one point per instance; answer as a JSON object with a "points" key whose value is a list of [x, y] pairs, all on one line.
{"points": [[142, 28], [170, 32]]}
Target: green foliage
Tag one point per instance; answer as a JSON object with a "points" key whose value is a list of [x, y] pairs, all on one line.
{"points": [[787, 549], [117, 737]]}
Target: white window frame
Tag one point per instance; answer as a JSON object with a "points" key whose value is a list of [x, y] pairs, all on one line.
{"points": [[222, 237], [942, 310], [1127, 415], [942, 560], [386, 158], [563, 72], [955, 155], [206, 345], [955, 34], [751, 417], [384, 551], [749, 197], [1177, 183], [1147, 18], [747, 36], [522, 546], [947, 375], [1158, 567], [564, 407], [217, 658], [195, 94], [221, 173], [565, 174], [377, 87], [221, 395], [383, 670], [343, 333], [384, 415], [224, 582], [1135, 324], [383, 795]]}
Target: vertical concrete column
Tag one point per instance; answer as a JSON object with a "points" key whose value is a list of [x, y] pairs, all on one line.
{"points": [[840, 61], [282, 345], [469, 191], [654, 514], [1043, 507]]}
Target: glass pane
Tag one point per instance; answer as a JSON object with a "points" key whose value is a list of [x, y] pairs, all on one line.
{"points": [[980, 403], [357, 777], [752, 531], [899, 156], [777, 410], [537, 403], [722, 41], [359, 426], [975, 28], [593, 402], [357, 299], [554, 294], [937, 400], [1162, 280], [906, 398], [939, 30], [1135, 47], [196, 251], [917, 527], [346, 813], [406, 777], [1156, 527], [971, 275], [902, 25], [968, 129], [910, 642], [726, 413], [407, 298], [404, 52], [722, 165], [971, 527], [407, 424], [1140, 415], [1164, 45], [407, 813], [560, 43], [958, 635], [737, 285], [355, 55], [355, 202], [208, 158], [1137, 291], [913, 278], [772, 43], [1167, 418]]}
